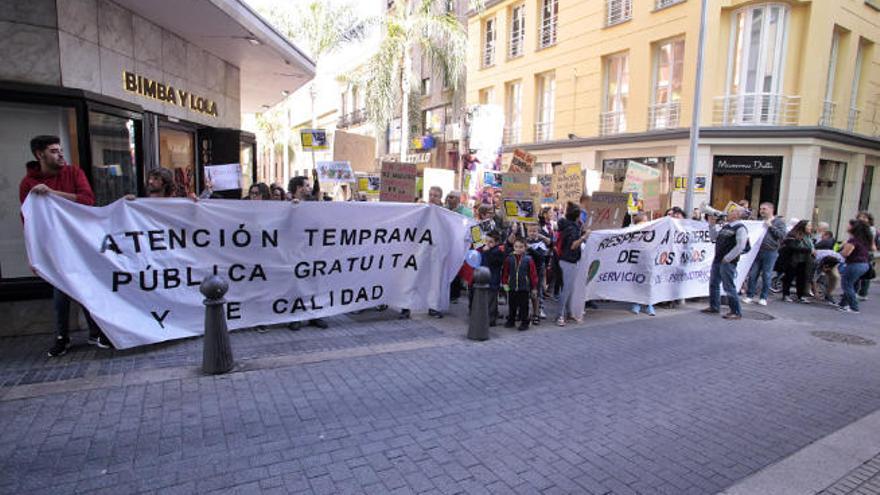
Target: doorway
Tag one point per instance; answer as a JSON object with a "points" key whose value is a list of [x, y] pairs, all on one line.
{"points": [[177, 153]]}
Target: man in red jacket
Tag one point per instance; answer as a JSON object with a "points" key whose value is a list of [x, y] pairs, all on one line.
{"points": [[49, 174]]}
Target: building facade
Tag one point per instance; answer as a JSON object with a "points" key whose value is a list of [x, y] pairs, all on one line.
{"points": [[129, 86], [791, 95]]}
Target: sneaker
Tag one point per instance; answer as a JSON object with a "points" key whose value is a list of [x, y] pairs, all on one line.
{"points": [[319, 323], [844, 309], [747, 300], [434, 313], [60, 347], [523, 327], [635, 309], [404, 314], [294, 325], [261, 328], [509, 324], [762, 302], [862, 298], [536, 320], [803, 300], [542, 314], [578, 319], [381, 307], [650, 311], [100, 342], [788, 299], [710, 311], [732, 316], [561, 322], [591, 305]]}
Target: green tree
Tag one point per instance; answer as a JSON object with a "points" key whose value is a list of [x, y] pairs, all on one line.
{"points": [[389, 83]]}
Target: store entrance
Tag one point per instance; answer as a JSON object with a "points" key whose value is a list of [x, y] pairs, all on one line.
{"points": [[177, 153], [750, 178]]}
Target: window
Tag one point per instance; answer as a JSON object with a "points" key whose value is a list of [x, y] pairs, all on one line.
{"points": [[662, 4], [853, 118], [668, 73], [546, 84], [489, 43], [867, 184], [829, 191], [487, 96], [618, 11], [757, 53], [426, 86], [114, 173], [828, 107], [450, 7], [614, 177], [517, 30], [18, 124], [613, 119], [176, 153], [513, 112], [547, 28]]}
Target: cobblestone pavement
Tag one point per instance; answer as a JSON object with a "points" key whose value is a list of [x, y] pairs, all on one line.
{"points": [[680, 403], [863, 480]]}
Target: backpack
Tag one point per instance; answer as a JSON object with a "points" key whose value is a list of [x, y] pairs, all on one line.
{"points": [[557, 246]]}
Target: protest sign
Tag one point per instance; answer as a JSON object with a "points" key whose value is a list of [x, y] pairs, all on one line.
{"points": [[516, 186], [224, 177], [663, 260], [520, 210], [438, 177], [313, 139], [568, 183], [369, 184], [545, 187], [680, 183], [644, 181], [335, 172], [607, 210], [283, 262], [492, 179], [398, 182], [521, 162], [480, 231]]}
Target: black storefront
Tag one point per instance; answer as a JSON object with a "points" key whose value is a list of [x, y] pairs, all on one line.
{"points": [[115, 142], [753, 178]]}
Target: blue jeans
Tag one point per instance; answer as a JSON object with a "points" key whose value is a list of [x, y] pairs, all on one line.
{"points": [[850, 274], [723, 274], [763, 266]]}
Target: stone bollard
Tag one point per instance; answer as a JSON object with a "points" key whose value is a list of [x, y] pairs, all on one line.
{"points": [[217, 352], [478, 329]]}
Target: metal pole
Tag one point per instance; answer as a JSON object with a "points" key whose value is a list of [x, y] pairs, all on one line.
{"points": [[695, 119]]}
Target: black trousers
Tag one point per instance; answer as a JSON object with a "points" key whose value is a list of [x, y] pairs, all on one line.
{"points": [[455, 288], [518, 302], [493, 303], [799, 273]]}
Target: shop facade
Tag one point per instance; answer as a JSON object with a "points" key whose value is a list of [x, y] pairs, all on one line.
{"points": [[129, 87], [806, 172]]}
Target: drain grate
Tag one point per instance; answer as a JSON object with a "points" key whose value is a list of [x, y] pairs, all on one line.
{"points": [[843, 338], [757, 315]]}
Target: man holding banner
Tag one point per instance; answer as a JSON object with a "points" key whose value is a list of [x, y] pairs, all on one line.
{"points": [[730, 242]]}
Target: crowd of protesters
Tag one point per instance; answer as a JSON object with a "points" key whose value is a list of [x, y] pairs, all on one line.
{"points": [[533, 263]]}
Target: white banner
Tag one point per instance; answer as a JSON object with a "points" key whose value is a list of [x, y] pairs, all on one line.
{"points": [[137, 265], [658, 261]]}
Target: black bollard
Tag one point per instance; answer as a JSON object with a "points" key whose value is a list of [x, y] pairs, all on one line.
{"points": [[217, 351], [478, 329]]}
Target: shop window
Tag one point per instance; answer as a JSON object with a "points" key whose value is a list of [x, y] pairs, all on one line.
{"points": [[114, 162], [19, 123], [176, 153], [614, 176], [246, 159], [829, 191]]}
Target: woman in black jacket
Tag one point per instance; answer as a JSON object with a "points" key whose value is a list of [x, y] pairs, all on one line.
{"points": [[798, 254], [571, 240]]}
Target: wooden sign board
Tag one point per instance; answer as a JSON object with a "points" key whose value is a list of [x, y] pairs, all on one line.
{"points": [[521, 162], [606, 210], [516, 186], [568, 183]]}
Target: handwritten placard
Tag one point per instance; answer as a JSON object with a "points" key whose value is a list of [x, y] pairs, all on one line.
{"points": [[516, 186], [398, 182], [568, 182], [521, 162]]}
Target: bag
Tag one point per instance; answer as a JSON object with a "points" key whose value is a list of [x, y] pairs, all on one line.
{"points": [[870, 274]]}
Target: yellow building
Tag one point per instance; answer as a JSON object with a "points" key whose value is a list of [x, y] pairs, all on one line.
{"points": [[790, 94]]}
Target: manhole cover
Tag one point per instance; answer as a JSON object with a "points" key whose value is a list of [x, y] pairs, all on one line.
{"points": [[843, 338], [757, 315]]}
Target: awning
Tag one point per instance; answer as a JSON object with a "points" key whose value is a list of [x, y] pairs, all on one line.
{"points": [[230, 30]]}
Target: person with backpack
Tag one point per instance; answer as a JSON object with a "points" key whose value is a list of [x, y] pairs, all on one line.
{"points": [[731, 241], [798, 248]]}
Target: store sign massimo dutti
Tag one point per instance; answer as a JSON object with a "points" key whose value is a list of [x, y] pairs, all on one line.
{"points": [[166, 93], [751, 165]]}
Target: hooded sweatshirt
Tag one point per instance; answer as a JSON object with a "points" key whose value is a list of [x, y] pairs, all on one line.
{"points": [[69, 179]]}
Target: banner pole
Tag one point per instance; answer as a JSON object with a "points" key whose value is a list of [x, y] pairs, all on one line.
{"points": [[695, 118]]}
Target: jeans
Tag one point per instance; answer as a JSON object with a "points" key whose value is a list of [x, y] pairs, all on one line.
{"points": [[569, 272], [61, 303], [723, 274], [762, 266], [850, 274]]}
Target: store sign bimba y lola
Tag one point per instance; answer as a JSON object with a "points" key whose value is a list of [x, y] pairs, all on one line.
{"points": [[166, 93]]}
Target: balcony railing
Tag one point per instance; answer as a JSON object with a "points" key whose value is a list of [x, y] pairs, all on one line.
{"points": [[489, 54], [618, 11], [828, 110], [543, 131], [756, 109], [547, 32], [612, 123], [852, 119], [664, 116], [512, 135], [662, 4], [352, 119]]}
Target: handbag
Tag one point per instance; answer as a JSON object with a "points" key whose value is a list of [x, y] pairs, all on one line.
{"points": [[870, 274]]}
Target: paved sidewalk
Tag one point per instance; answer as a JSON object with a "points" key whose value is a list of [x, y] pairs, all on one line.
{"points": [[679, 403]]}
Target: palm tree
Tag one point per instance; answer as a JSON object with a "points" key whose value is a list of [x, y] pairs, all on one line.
{"points": [[410, 24]]}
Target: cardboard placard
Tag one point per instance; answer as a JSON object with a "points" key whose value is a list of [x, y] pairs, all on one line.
{"points": [[492, 179], [516, 186], [335, 172], [313, 139], [398, 182], [224, 177], [644, 181], [545, 188], [369, 184], [568, 183], [480, 231], [521, 162], [680, 183], [606, 210], [520, 210]]}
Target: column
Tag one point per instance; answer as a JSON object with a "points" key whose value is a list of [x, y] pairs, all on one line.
{"points": [[849, 206], [798, 189]]}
